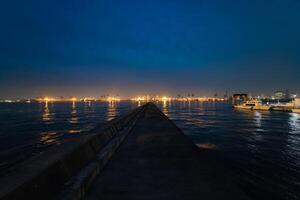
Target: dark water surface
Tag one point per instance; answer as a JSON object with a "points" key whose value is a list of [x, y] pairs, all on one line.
{"points": [[261, 148], [27, 129]]}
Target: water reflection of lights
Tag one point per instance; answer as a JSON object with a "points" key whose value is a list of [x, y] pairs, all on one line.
{"points": [[165, 107], [207, 146], [257, 119], [293, 147], [111, 111], [46, 113], [294, 122], [49, 138], [74, 131], [258, 125], [88, 108], [73, 105], [74, 118]]}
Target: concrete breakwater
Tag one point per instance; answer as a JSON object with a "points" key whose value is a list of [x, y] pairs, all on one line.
{"points": [[157, 161], [64, 171], [142, 155]]}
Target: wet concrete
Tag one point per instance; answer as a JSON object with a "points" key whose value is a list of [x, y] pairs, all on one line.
{"points": [[157, 161]]}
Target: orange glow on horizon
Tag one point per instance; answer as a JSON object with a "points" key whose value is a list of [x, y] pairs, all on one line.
{"points": [[143, 98]]}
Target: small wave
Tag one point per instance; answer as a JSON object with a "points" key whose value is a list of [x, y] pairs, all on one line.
{"points": [[207, 146]]}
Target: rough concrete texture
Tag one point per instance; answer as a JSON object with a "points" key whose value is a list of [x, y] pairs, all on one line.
{"points": [[157, 161]]}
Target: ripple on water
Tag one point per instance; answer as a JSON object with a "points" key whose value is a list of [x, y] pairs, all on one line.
{"points": [[262, 148], [27, 130]]}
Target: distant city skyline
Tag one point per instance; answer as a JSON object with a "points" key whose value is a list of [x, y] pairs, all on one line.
{"points": [[278, 94], [98, 47]]}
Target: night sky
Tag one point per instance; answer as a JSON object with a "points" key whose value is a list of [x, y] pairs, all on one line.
{"points": [[127, 47]]}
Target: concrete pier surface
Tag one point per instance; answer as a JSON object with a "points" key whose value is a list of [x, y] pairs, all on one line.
{"points": [[157, 161]]}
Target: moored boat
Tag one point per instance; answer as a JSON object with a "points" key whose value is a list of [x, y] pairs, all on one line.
{"points": [[253, 104], [296, 110]]}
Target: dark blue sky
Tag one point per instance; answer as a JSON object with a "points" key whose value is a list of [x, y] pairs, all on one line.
{"points": [[95, 47]]}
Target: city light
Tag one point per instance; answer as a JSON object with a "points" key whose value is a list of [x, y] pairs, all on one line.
{"points": [[164, 98], [113, 99], [88, 99], [141, 98]]}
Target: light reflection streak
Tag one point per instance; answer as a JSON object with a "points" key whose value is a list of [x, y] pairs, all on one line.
{"points": [[294, 122], [258, 127], [49, 138], [46, 116], [165, 107], [207, 146], [88, 108], [257, 119], [74, 131], [74, 117], [293, 147], [111, 111]]}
